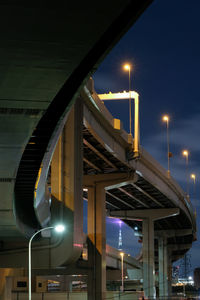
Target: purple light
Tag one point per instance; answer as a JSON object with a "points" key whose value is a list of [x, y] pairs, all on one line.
{"points": [[115, 221], [120, 223]]}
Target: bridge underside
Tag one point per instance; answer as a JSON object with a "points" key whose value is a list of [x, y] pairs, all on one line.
{"points": [[137, 195], [47, 53]]}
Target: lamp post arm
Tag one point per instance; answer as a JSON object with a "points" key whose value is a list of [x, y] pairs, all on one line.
{"points": [[29, 258], [46, 228]]}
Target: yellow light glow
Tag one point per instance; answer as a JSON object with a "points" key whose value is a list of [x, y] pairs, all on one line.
{"points": [[185, 152], [118, 96], [122, 254], [193, 176], [37, 182], [117, 124], [127, 67], [165, 118]]}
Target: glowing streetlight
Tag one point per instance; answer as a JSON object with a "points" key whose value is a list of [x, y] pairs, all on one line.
{"points": [[127, 67], [166, 119], [59, 228], [122, 270], [193, 177], [186, 154]]}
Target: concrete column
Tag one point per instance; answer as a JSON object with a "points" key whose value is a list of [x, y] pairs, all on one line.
{"points": [[8, 288], [148, 216], [7, 276], [66, 188], [163, 267], [96, 243], [148, 258], [97, 186], [169, 272]]}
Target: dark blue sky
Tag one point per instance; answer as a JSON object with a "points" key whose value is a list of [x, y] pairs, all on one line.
{"points": [[164, 49]]}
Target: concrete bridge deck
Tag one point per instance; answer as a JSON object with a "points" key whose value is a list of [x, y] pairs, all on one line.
{"points": [[146, 185], [138, 191], [45, 65]]}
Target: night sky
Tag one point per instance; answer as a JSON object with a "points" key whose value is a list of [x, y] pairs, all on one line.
{"points": [[164, 48]]}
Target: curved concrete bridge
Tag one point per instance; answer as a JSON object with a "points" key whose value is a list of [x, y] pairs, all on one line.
{"points": [[48, 54], [138, 191], [92, 153]]}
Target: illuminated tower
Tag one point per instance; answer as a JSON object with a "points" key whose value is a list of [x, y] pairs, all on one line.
{"points": [[120, 236]]}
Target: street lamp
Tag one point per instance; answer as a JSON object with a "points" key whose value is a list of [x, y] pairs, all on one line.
{"points": [[122, 270], [166, 119], [127, 67], [186, 154], [59, 228], [193, 177]]}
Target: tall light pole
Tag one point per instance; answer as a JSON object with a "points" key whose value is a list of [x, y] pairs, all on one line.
{"points": [[127, 67], [59, 228], [122, 271], [186, 154], [166, 119], [193, 177]]}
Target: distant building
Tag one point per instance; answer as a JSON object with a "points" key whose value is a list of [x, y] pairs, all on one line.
{"points": [[197, 278]]}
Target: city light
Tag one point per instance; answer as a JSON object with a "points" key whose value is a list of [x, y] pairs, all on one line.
{"points": [[193, 177], [190, 277], [186, 154], [165, 118], [59, 228], [127, 67]]}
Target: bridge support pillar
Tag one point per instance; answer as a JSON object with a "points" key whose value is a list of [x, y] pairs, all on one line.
{"points": [[169, 272], [148, 216], [66, 188], [97, 186], [96, 243], [148, 258], [165, 252], [163, 267]]}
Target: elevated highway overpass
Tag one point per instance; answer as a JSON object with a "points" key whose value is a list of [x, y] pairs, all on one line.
{"points": [[45, 64], [138, 191]]}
